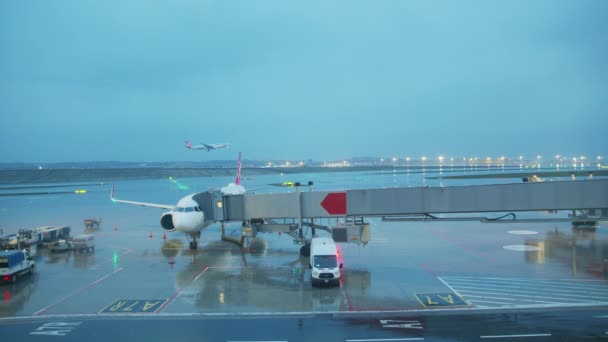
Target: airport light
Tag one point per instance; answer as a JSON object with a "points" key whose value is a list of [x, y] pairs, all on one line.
{"points": [[301, 163], [408, 159], [394, 159], [423, 158], [440, 158]]}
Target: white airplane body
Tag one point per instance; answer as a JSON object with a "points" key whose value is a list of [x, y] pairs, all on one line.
{"points": [[186, 216], [208, 147]]}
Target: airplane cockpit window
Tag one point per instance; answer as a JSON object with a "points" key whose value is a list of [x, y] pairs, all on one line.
{"points": [[189, 209]]}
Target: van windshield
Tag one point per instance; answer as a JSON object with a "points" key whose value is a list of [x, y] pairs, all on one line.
{"points": [[325, 261]]}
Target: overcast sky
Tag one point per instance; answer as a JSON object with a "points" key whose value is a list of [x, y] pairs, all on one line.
{"points": [[131, 80]]}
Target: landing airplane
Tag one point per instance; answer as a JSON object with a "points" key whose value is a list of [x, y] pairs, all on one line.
{"points": [[207, 147], [186, 216]]}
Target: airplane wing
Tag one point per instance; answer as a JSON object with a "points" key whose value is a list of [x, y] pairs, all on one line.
{"points": [[143, 204], [209, 147]]}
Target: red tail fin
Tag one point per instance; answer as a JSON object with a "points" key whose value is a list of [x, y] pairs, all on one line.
{"points": [[237, 181], [188, 144]]}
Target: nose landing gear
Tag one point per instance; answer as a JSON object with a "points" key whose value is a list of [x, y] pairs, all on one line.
{"points": [[192, 238]]}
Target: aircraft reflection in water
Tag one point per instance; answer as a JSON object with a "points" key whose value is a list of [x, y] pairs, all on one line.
{"points": [[578, 249], [280, 286]]}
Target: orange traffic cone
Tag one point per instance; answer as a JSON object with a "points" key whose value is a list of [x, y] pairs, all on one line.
{"points": [[150, 236], [164, 236], [171, 261], [115, 227]]}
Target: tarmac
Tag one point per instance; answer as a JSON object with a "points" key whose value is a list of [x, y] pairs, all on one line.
{"points": [[407, 268]]}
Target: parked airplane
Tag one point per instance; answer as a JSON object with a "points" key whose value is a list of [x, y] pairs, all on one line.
{"points": [[187, 216], [207, 147]]}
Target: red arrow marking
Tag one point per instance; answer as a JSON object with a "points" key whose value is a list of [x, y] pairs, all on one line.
{"points": [[335, 203]]}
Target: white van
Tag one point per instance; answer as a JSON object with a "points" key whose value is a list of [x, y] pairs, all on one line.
{"points": [[324, 262]]}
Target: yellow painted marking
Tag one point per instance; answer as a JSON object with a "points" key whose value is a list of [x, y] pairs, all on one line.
{"points": [[149, 305], [130, 307], [118, 305], [448, 299], [428, 299]]}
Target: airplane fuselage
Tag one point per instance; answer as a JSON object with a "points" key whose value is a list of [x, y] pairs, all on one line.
{"points": [[186, 217]]}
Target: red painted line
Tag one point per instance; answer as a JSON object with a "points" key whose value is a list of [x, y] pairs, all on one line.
{"points": [[467, 248], [428, 269], [78, 292], [176, 294]]}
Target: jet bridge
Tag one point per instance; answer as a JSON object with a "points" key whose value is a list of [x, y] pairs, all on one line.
{"points": [[290, 212]]}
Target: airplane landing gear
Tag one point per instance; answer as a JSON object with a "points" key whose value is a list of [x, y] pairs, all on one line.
{"points": [[193, 237]]}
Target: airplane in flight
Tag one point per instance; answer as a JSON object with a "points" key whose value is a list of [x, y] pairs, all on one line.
{"points": [[187, 216], [208, 147]]}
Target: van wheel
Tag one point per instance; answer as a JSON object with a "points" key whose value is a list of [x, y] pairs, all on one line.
{"points": [[31, 271], [305, 251]]}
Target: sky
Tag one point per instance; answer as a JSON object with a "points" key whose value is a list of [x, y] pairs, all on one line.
{"points": [[119, 80]]}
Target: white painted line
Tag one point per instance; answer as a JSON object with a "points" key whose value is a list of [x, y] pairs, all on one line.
{"points": [[573, 287], [511, 336], [299, 314], [544, 282], [452, 289], [551, 299], [516, 293], [515, 300], [540, 287], [533, 279], [258, 341], [388, 339], [487, 301]]}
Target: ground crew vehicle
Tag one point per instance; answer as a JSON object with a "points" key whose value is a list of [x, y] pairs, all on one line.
{"points": [[15, 263], [324, 262], [61, 246], [84, 243]]}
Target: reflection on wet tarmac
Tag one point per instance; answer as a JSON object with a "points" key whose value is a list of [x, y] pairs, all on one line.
{"points": [[577, 248], [15, 296]]}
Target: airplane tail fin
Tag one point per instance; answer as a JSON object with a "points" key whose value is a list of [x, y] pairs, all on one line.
{"points": [[188, 144], [237, 181]]}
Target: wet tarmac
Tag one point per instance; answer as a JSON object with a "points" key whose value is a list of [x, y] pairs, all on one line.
{"points": [[406, 266]]}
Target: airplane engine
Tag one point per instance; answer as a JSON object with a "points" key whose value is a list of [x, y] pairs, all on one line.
{"points": [[166, 221]]}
